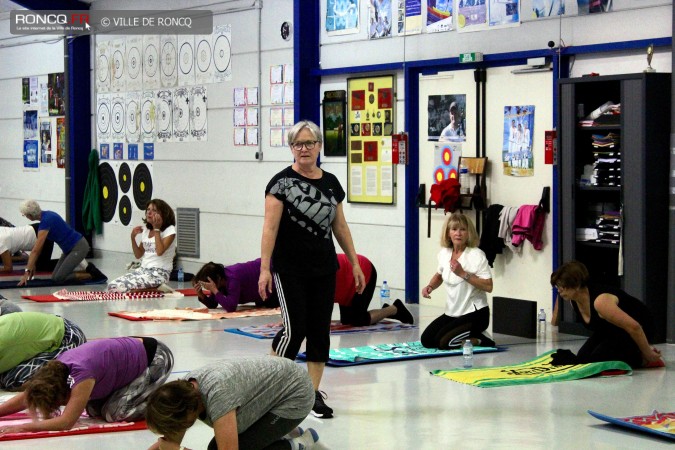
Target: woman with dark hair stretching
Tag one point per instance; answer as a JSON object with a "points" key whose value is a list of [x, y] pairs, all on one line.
{"points": [[464, 271], [621, 324], [110, 378], [250, 403], [230, 286], [156, 248]]}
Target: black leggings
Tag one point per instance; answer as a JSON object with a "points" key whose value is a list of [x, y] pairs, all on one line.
{"points": [[356, 314], [306, 309], [446, 330], [266, 433], [610, 348]]}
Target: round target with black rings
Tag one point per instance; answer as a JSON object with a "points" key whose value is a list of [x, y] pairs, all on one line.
{"points": [[125, 210], [142, 183], [108, 185], [124, 177]]}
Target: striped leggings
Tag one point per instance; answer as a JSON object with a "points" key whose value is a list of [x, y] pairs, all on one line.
{"points": [[140, 278], [14, 378], [129, 402]]}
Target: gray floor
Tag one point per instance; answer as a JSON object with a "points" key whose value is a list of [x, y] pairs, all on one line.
{"points": [[392, 405]]}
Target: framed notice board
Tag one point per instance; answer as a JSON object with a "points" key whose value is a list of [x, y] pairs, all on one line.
{"points": [[370, 114]]}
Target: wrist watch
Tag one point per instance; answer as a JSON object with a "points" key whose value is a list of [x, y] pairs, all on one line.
{"points": [[467, 276]]}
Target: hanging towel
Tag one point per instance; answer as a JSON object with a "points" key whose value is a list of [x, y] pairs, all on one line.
{"points": [[529, 224], [506, 219], [490, 242], [91, 205]]}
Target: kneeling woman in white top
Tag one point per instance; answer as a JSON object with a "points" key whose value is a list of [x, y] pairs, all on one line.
{"points": [[464, 271], [156, 249]]}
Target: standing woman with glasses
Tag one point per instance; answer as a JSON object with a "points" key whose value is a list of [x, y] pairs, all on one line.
{"points": [[155, 246], [303, 209]]}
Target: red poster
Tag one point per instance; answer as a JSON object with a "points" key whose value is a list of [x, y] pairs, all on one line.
{"points": [[370, 151], [358, 100], [384, 98], [550, 147]]}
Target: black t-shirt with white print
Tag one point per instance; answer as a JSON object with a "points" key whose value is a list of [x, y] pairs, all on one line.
{"points": [[304, 244]]}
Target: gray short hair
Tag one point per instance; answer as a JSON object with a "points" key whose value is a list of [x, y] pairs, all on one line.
{"points": [[30, 208], [298, 127]]}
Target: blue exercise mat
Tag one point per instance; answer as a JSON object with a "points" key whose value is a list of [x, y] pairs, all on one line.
{"points": [[656, 423], [371, 354]]}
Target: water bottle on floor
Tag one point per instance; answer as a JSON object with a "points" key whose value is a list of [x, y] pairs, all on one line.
{"points": [[541, 323], [181, 278], [467, 351], [384, 294]]}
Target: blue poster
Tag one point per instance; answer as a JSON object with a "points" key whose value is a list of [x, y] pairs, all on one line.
{"points": [[104, 151], [118, 150], [342, 16], [149, 150], [132, 151], [30, 154]]}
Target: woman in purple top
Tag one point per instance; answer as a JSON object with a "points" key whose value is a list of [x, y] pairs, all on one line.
{"points": [[110, 378], [73, 245], [230, 286]]}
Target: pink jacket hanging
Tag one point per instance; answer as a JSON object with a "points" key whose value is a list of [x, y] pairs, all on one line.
{"points": [[529, 224]]}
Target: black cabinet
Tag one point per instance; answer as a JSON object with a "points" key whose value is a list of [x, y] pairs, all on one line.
{"points": [[613, 186]]}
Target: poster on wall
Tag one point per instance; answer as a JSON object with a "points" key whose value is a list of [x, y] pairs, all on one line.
{"points": [[46, 141], [60, 142], [342, 17], [409, 14], [536, 9], [334, 105], [504, 13], [439, 16], [370, 119], [447, 117], [379, 19], [57, 101], [517, 157], [472, 16], [30, 154], [446, 160]]}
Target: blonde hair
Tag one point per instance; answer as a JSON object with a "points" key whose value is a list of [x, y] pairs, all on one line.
{"points": [[460, 219]]}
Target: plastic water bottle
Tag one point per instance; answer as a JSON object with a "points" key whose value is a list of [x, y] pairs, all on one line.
{"points": [[181, 277], [541, 324], [385, 293], [464, 179], [467, 351]]}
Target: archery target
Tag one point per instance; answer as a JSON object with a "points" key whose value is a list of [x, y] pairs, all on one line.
{"points": [[148, 117], [124, 177], [168, 59], [132, 116], [197, 105], [186, 58], [150, 60], [142, 183], [164, 116], [134, 63], [125, 210], [103, 117], [118, 64], [203, 55], [446, 159], [181, 114], [108, 185], [117, 117], [102, 69], [222, 53]]}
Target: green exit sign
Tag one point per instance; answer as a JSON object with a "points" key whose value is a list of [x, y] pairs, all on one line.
{"points": [[470, 57]]}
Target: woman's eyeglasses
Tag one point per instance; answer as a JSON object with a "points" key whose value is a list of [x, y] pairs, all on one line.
{"points": [[309, 145]]}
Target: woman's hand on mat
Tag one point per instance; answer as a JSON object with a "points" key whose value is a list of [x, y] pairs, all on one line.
{"points": [[11, 429], [653, 355]]}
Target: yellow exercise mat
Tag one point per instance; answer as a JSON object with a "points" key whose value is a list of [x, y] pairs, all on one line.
{"points": [[537, 370]]}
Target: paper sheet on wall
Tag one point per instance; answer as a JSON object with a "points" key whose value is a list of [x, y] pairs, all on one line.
{"points": [[164, 115], [277, 94], [148, 112], [240, 136], [289, 76], [185, 45], [386, 180], [117, 117], [118, 76], [151, 62], [133, 116], [371, 180], [251, 136], [203, 59], [289, 117], [239, 96], [239, 117], [103, 67], [276, 74], [198, 113], [181, 115], [168, 65], [43, 95], [276, 117], [103, 129], [252, 96], [134, 63], [289, 93], [222, 53], [356, 180], [252, 117], [276, 137]]}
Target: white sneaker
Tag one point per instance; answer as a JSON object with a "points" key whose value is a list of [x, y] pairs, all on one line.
{"points": [[306, 441]]}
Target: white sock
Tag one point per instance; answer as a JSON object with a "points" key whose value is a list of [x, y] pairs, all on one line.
{"points": [[306, 441]]}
